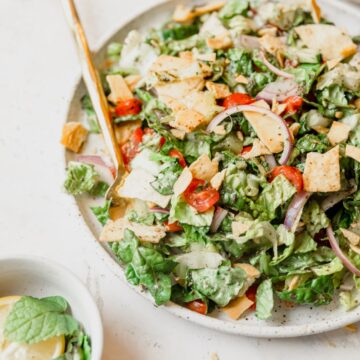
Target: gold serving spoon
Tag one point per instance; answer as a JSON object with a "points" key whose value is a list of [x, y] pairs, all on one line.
{"points": [[93, 84]]}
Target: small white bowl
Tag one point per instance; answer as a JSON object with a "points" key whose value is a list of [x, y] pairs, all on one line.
{"points": [[38, 277]]}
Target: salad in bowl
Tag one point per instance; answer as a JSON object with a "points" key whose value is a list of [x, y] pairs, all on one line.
{"points": [[238, 124]]}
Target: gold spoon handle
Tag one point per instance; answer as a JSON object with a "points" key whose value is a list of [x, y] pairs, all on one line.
{"points": [[92, 81]]}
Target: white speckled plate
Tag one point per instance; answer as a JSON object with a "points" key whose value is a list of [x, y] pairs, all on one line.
{"points": [[292, 322]]}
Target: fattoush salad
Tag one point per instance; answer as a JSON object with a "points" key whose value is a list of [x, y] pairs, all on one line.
{"points": [[238, 123]]}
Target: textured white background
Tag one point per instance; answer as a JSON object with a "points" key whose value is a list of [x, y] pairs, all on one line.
{"points": [[38, 70]]}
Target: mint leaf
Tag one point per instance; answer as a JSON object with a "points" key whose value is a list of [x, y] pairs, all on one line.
{"points": [[33, 320]]}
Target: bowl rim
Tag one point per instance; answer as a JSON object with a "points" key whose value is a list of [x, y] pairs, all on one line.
{"points": [[282, 331], [84, 293]]}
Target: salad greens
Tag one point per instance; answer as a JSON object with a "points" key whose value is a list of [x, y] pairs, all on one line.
{"points": [[229, 204]]}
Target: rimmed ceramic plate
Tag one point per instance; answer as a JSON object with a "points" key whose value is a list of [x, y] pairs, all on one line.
{"points": [[299, 321]]}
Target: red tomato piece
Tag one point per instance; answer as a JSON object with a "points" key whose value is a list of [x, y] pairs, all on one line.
{"points": [[128, 107], [238, 99], [131, 148], [201, 200], [293, 104], [178, 155], [246, 149], [251, 295], [198, 306], [293, 174], [173, 227]]}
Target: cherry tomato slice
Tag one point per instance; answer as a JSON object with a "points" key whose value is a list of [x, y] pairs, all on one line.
{"points": [[128, 107], [201, 200], [173, 227], [178, 155], [198, 306], [293, 104], [238, 99], [291, 173], [131, 148], [246, 149], [251, 295]]}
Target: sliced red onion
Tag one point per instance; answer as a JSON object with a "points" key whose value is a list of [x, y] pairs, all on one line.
{"points": [[295, 208], [279, 90], [159, 210], [337, 250], [335, 198], [270, 159], [274, 69], [95, 160], [288, 140], [218, 218]]}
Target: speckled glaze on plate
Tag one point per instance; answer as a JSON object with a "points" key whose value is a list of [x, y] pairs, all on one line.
{"points": [[286, 322]]}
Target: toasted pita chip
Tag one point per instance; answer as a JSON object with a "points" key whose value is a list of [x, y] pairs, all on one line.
{"points": [[219, 42], [203, 168], [132, 81], [250, 270], [218, 179], [332, 42], [272, 44], [179, 89], [353, 238], [73, 136], [257, 149], [322, 171], [338, 133], [187, 120], [352, 152], [183, 181], [241, 79], [119, 89], [179, 134], [267, 129], [237, 307], [220, 91], [114, 231]]}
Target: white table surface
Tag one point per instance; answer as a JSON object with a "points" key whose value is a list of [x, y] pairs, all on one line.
{"points": [[38, 70]]}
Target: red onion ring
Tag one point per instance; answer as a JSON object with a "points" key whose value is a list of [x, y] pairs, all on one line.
{"points": [[337, 250], [296, 206], [270, 160], [218, 218], [95, 160], [288, 140], [159, 210], [273, 68], [335, 198]]}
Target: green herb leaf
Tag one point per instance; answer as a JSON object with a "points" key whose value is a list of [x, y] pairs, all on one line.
{"points": [[33, 320], [102, 212]]}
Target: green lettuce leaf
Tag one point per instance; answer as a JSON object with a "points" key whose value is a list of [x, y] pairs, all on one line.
{"points": [[264, 300], [165, 180], [314, 218], [145, 266], [184, 213], [275, 194], [306, 74], [220, 285], [90, 114], [234, 7], [318, 291], [82, 178], [102, 212], [33, 320], [349, 299], [304, 243], [328, 269]]}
